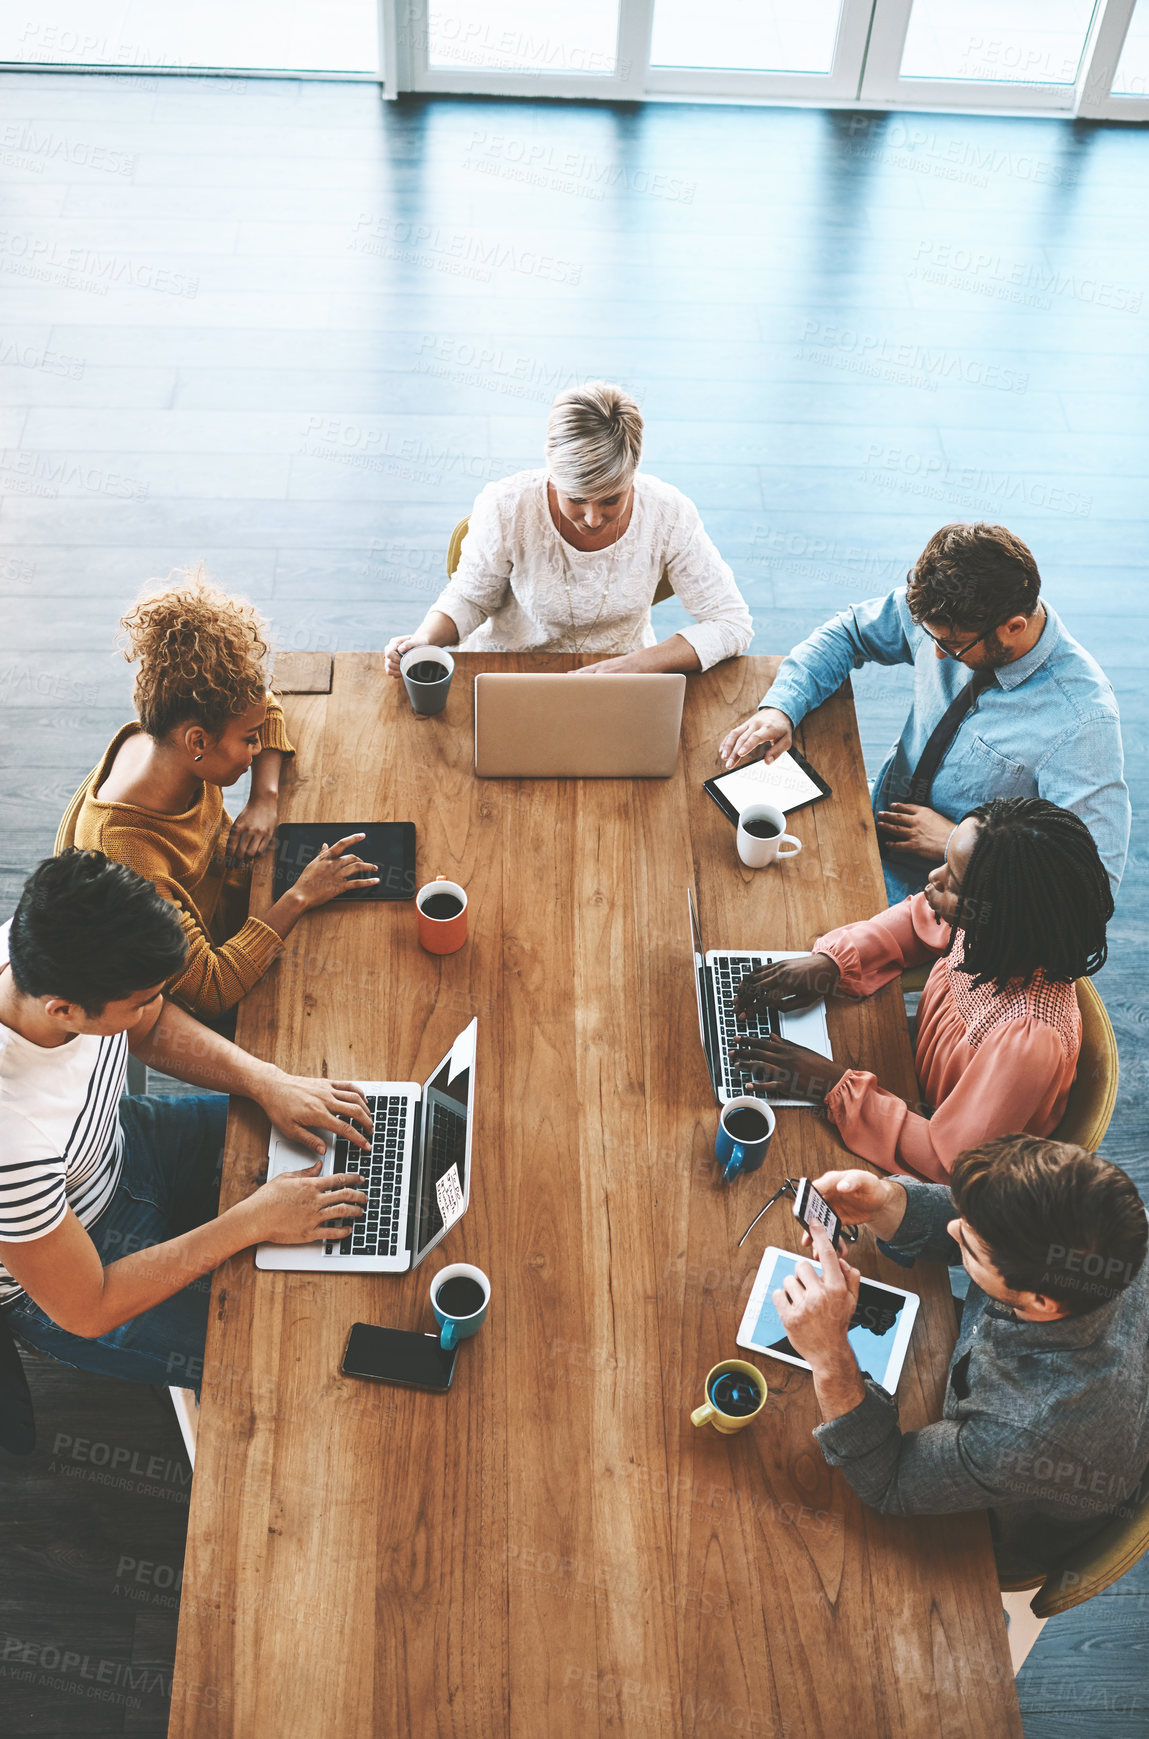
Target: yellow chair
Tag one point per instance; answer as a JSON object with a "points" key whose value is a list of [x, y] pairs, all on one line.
{"points": [[1084, 1573], [662, 591], [1094, 1091]]}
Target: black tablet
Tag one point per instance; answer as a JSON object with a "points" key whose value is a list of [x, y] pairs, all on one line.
{"points": [[789, 782], [390, 844]]}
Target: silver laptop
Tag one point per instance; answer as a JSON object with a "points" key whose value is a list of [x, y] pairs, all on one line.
{"points": [[561, 725], [717, 975], [418, 1172]]}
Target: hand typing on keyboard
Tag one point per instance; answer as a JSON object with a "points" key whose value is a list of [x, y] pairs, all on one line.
{"points": [[298, 1106], [301, 1207], [787, 984], [777, 1065]]}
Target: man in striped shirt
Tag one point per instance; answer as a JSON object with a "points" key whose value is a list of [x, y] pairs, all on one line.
{"points": [[108, 1206]]}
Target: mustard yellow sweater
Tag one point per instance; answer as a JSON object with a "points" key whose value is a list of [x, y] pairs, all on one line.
{"points": [[228, 952]]}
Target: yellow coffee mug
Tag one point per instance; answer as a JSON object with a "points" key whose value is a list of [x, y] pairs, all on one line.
{"points": [[731, 1379]]}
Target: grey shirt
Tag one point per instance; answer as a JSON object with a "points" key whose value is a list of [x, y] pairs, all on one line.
{"points": [[1045, 1425]]}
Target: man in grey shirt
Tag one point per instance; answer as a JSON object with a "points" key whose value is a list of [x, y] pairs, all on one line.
{"points": [[1046, 1415]]}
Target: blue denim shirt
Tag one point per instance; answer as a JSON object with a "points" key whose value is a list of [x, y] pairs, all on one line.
{"points": [[1046, 726], [1045, 1424]]}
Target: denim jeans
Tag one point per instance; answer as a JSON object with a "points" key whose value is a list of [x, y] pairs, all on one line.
{"points": [[169, 1184]]}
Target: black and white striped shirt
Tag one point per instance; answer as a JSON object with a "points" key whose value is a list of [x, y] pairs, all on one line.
{"points": [[61, 1145]]}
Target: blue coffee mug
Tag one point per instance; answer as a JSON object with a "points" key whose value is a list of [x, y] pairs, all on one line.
{"points": [[454, 1327], [739, 1153]]}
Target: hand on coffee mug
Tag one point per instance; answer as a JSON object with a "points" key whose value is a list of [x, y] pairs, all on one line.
{"points": [[780, 1066], [788, 984], [333, 872], [395, 648]]}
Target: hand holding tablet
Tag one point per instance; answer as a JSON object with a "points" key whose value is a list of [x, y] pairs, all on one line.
{"points": [[790, 1296]]}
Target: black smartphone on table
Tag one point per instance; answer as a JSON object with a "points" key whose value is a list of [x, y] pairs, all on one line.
{"points": [[395, 1355], [809, 1205]]}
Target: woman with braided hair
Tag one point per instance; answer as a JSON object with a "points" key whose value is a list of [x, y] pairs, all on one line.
{"points": [[1015, 914], [155, 802]]}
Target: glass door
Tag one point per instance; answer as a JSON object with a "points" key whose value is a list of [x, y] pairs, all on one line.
{"points": [[545, 48], [1001, 54], [807, 49]]}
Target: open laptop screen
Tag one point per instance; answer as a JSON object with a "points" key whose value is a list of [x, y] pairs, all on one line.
{"points": [[443, 1181]]}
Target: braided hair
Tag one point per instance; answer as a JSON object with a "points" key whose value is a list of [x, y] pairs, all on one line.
{"points": [[1035, 895]]}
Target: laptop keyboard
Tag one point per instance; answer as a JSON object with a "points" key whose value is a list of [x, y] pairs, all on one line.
{"points": [[729, 971], [378, 1232]]}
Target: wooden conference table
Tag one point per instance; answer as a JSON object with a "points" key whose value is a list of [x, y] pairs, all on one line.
{"points": [[551, 1549]]}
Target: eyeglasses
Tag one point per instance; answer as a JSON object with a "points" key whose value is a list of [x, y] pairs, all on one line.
{"points": [[952, 651]]}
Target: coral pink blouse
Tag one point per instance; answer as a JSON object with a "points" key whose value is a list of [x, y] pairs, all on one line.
{"points": [[989, 1062]]}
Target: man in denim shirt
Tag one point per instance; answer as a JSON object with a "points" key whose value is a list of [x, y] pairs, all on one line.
{"points": [[1046, 1416], [1038, 718]]}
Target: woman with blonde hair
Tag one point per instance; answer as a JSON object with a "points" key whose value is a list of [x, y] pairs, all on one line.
{"points": [[568, 558], [155, 802]]}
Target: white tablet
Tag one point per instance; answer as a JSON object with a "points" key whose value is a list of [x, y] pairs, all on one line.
{"points": [[879, 1333]]}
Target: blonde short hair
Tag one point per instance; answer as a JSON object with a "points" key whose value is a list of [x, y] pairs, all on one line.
{"points": [[594, 440]]}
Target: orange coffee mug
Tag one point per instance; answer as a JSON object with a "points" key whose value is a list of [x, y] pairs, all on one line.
{"points": [[442, 916]]}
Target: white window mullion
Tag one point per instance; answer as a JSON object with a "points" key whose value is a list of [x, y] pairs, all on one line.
{"points": [[1099, 64]]}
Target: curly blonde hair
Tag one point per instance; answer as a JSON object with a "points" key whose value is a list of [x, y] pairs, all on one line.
{"points": [[203, 655]]}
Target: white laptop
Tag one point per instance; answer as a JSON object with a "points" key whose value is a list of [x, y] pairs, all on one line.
{"points": [[418, 1172], [717, 975], [560, 725]]}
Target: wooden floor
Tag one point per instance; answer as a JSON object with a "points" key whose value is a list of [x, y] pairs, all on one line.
{"points": [[289, 331]]}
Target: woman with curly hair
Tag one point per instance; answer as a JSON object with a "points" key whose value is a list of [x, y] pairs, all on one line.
{"points": [[1015, 914], [155, 802]]}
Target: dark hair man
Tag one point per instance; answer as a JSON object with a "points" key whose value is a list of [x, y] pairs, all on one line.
{"points": [[1006, 703], [108, 1206], [1046, 1419]]}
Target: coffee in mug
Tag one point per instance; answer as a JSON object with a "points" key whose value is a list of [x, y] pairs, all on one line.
{"points": [[428, 672], [761, 839], [735, 1394], [745, 1128], [441, 916], [442, 906], [746, 1124], [460, 1296]]}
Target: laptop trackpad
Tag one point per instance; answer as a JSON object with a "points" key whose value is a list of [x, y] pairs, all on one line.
{"points": [[284, 1155], [808, 1027]]}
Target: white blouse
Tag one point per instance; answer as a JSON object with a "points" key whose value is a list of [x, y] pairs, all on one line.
{"points": [[520, 587]]}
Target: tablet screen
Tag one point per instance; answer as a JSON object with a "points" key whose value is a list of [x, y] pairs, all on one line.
{"points": [[872, 1332], [787, 782]]}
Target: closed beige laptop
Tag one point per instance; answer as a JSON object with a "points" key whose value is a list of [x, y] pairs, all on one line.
{"points": [[566, 726]]}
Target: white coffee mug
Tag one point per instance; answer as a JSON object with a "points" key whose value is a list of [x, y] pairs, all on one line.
{"points": [[756, 850]]}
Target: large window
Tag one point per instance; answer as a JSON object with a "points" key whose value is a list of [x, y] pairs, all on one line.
{"points": [[321, 36], [1081, 57]]}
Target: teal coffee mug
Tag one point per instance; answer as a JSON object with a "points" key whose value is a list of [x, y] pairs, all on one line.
{"points": [[460, 1297], [744, 1132]]}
